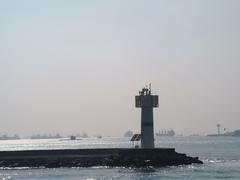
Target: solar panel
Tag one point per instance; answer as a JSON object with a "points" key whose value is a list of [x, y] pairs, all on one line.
{"points": [[136, 137]]}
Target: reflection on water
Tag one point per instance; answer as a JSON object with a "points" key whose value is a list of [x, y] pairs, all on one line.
{"points": [[221, 158]]}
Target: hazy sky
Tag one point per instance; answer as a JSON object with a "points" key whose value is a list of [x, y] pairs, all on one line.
{"points": [[75, 66]]}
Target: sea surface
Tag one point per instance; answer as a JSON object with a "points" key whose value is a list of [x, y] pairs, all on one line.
{"points": [[221, 157]]}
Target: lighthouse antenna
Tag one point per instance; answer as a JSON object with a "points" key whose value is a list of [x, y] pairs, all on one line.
{"points": [[150, 89]]}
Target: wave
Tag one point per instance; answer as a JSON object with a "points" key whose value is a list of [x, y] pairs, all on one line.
{"points": [[220, 160]]}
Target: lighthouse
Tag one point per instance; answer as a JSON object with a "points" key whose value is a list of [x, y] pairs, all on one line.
{"points": [[146, 101]]}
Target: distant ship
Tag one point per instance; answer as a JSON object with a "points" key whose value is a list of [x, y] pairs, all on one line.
{"points": [[166, 133], [99, 136], [6, 137], [39, 136], [235, 133]]}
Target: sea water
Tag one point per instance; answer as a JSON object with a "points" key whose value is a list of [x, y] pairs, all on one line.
{"points": [[221, 157]]}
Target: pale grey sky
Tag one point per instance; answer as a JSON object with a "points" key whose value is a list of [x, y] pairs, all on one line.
{"points": [[75, 66]]}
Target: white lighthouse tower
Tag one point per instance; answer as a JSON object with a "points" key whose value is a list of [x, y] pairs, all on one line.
{"points": [[146, 101]]}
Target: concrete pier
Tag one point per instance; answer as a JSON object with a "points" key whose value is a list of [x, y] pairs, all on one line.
{"points": [[156, 157]]}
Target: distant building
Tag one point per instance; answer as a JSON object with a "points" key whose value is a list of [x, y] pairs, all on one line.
{"points": [[85, 135], [166, 133]]}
